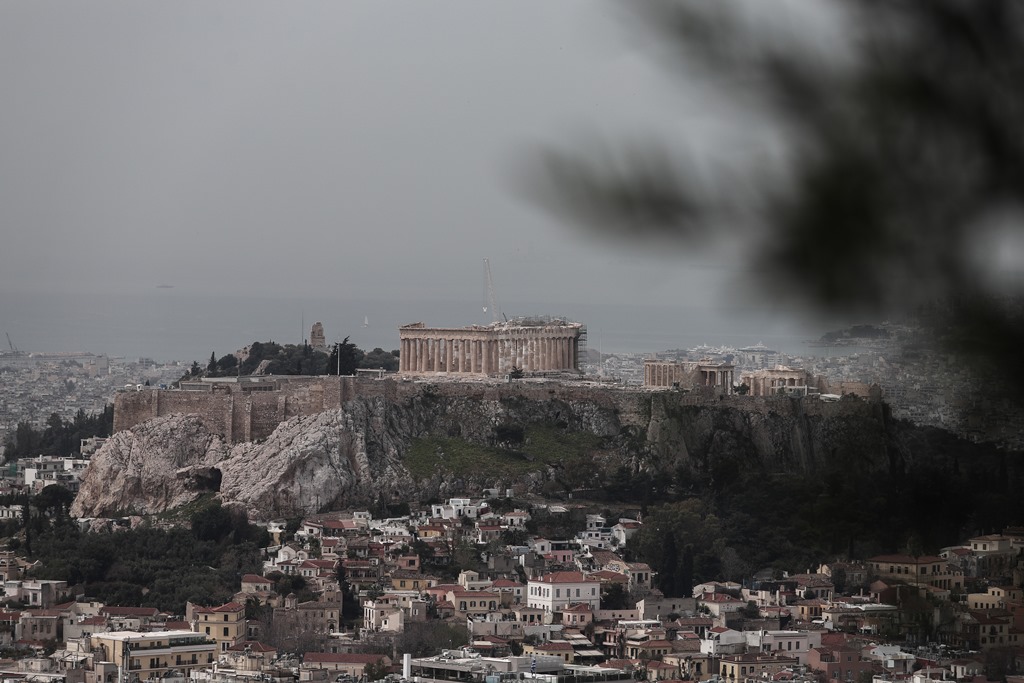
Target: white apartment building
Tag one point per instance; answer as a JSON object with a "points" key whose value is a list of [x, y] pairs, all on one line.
{"points": [[554, 591], [790, 643], [456, 508]]}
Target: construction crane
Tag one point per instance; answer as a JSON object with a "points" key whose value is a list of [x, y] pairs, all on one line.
{"points": [[492, 300], [14, 348]]}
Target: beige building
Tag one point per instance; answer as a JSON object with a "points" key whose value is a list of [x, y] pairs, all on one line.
{"points": [[353, 665], [991, 543], [308, 617], [225, 624], [997, 597], [754, 666], [689, 375], [925, 570], [391, 611], [153, 654], [532, 345]]}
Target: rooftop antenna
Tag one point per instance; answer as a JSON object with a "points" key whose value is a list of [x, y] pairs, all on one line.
{"points": [[492, 299]]}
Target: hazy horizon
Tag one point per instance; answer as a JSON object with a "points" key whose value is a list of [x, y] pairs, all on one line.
{"points": [[359, 151], [167, 325]]}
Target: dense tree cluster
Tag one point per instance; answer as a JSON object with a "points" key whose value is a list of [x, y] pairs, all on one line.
{"points": [[146, 566], [59, 437], [271, 358], [739, 517]]}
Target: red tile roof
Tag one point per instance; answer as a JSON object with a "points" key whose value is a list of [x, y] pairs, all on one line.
{"points": [[253, 645], [255, 578], [577, 607], [226, 607]]}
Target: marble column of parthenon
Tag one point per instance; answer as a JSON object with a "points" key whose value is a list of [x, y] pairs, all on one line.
{"points": [[487, 351]]}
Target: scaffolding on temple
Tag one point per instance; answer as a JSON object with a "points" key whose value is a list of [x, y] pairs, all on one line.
{"points": [[581, 348]]}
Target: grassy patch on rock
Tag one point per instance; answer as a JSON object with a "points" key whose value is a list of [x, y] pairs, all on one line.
{"points": [[430, 454], [542, 446]]}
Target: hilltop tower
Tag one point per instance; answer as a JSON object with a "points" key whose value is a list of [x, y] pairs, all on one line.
{"points": [[316, 337]]}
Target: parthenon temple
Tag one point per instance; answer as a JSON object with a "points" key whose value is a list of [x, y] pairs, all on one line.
{"points": [[534, 346]]}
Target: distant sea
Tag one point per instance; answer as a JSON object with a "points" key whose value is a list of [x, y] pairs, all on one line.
{"points": [[172, 324]]}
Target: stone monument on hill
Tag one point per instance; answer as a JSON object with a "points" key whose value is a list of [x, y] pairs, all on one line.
{"points": [[316, 336]]}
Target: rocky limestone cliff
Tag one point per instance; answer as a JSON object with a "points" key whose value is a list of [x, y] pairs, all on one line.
{"points": [[428, 441], [167, 463]]}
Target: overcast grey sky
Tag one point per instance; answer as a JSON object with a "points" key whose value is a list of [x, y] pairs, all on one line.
{"points": [[362, 148]]}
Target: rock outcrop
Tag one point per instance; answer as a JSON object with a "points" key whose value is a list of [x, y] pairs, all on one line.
{"points": [[165, 463], [364, 452], [310, 463]]}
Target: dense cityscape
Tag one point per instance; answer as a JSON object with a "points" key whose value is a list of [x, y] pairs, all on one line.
{"points": [[751, 412], [487, 583]]}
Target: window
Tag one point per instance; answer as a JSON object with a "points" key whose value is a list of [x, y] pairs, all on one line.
{"points": [[225, 631]]}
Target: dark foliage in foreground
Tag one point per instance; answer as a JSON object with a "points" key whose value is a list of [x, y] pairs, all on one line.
{"points": [[152, 567]]}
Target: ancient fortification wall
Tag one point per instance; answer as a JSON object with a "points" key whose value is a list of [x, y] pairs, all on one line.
{"points": [[243, 416]]}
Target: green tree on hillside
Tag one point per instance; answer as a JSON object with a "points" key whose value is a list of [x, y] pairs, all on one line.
{"points": [[379, 358], [227, 365], [344, 359], [59, 437], [683, 543]]}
